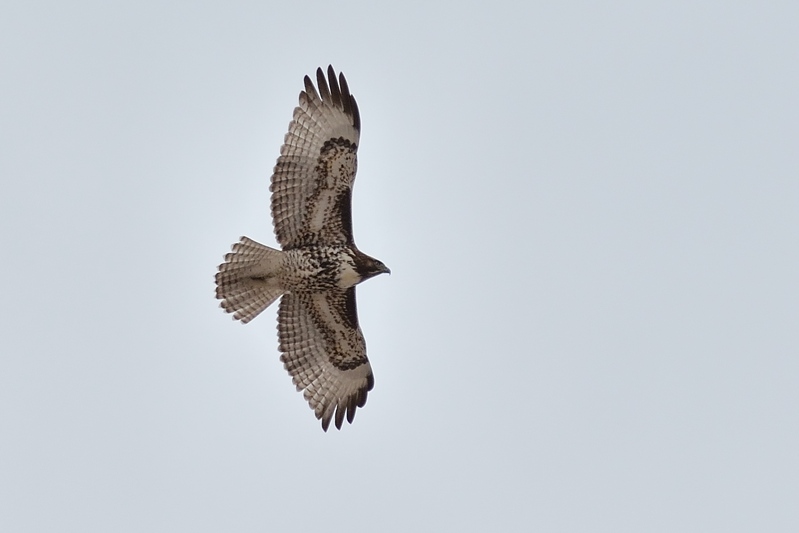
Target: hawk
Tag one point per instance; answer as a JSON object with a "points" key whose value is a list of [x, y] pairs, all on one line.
{"points": [[316, 270]]}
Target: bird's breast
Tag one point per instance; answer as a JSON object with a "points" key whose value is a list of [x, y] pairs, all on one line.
{"points": [[319, 268]]}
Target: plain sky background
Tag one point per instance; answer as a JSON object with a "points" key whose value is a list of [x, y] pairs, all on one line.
{"points": [[590, 211]]}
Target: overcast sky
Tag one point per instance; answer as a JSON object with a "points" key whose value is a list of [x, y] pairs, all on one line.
{"points": [[590, 211]]}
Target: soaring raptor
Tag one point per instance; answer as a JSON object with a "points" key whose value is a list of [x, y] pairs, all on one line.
{"points": [[321, 343]]}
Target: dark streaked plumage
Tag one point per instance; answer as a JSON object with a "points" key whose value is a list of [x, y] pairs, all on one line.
{"points": [[321, 343]]}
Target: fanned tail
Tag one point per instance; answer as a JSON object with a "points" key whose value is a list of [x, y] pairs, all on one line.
{"points": [[248, 281]]}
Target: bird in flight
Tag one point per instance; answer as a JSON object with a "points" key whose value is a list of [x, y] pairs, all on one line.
{"points": [[316, 270]]}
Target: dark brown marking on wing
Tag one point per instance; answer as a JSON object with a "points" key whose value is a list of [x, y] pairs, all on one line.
{"points": [[338, 223], [343, 210], [342, 304], [351, 308]]}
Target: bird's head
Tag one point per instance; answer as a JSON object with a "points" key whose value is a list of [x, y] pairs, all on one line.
{"points": [[369, 267], [380, 268]]}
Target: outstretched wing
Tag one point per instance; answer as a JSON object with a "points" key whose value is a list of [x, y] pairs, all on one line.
{"points": [[312, 181], [323, 349]]}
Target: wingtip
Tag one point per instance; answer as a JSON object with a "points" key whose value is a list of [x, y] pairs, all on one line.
{"points": [[324, 91], [333, 88], [310, 90], [335, 91]]}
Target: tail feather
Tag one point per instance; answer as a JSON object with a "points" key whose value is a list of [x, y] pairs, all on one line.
{"points": [[247, 282]]}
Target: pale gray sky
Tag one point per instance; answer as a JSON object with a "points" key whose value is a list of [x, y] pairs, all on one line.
{"points": [[590, 212]]}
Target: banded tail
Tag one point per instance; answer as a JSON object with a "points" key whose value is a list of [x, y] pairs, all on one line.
{"points": [[248, 282]]}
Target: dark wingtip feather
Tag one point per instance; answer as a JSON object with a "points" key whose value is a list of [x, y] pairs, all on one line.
{"points": [[345, 410], [309, 88], [348, 101], [346, 98], [335, 91], [340, 410], [361, 399], [322, 83], [356, 116], [351, 406]]}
